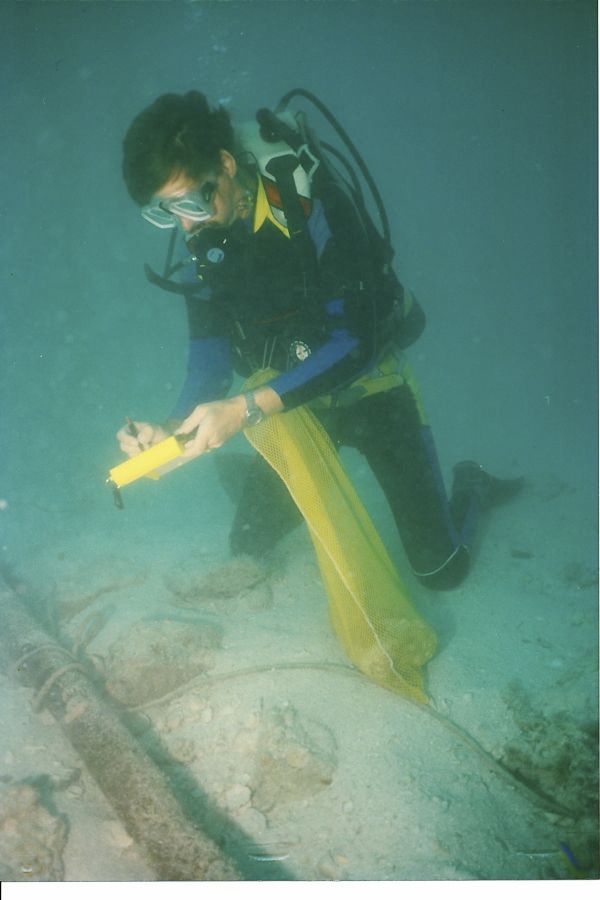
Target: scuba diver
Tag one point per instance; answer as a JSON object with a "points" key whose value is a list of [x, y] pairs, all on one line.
{"points": [[283, 270]]}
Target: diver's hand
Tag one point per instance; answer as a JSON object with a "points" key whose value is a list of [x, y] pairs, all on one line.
{"points": [[137, 436], [211, 424]]}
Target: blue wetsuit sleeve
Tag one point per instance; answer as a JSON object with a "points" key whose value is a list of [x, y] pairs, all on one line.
{"points": [[209, 370], [209, 374], [327, 368], [346, 351]]}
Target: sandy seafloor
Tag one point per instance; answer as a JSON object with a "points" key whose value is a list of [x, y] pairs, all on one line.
{"points": [[481, 132], [329, 773]]}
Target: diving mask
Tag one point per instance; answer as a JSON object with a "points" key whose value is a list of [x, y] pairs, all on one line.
{"points": [[196, 205]]}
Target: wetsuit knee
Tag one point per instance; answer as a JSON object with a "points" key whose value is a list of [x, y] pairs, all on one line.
{"points": [[450, 574]]}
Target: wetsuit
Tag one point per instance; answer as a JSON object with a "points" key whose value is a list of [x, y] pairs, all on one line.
{"points": [[255, 299]]}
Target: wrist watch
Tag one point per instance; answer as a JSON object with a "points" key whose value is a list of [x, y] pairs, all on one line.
{"points": [[254, 413]]}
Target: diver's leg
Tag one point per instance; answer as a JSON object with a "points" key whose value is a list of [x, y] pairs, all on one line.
{"points": [[389, 430], [265, 512]]}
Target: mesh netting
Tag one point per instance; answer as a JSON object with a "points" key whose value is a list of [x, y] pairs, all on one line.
{"points": [[369, 610]]}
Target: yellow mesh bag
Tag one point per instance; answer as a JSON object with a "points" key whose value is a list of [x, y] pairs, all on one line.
{"points": [[369, 610]]}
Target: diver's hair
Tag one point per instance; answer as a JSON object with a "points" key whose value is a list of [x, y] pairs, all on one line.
{"points": [[177, 134]]}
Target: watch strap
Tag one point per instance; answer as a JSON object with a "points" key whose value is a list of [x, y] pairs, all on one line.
{"points": [[254, 413]]}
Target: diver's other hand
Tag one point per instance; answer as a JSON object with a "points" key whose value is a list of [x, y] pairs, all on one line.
{"points": [[209, 425], [137, 436]]}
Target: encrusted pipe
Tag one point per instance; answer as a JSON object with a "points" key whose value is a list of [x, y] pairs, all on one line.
{"points": [[135, 786]]}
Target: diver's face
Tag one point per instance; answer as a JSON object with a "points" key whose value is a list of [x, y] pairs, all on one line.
{"points": [[225, 195]]}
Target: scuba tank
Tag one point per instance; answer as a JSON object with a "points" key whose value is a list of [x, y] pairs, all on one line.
{"points": [[323, 150], [265, 155]]}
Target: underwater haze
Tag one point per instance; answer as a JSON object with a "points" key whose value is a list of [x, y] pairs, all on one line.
{"points": [[478, 122]]}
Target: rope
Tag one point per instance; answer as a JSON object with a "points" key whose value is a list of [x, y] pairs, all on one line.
{"points": [[38, 700], [201, 680], [53, 647], [535, 796]]}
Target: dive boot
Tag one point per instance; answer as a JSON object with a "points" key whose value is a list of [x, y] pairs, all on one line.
{"points": [[470, 479]]}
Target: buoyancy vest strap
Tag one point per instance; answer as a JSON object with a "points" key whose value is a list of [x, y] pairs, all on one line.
{"points": [[281, 168], [390, 371]]}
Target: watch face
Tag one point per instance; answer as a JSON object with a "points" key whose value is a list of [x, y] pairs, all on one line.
{"points": [[253, 417], [254, 414]]}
